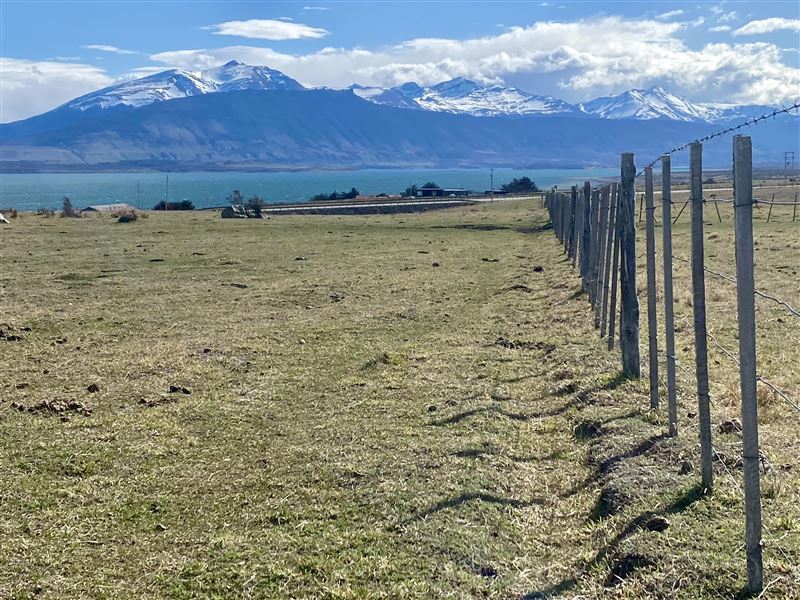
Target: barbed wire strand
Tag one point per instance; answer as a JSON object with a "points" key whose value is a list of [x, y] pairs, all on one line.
{"points": [[711, 136], [732, 279]]}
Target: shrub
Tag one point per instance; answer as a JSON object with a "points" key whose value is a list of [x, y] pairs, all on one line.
{"points": [[521, 185], [182, 205], [128, 217], [69, 210], [46, 212], [337, 195], [255, 203]]}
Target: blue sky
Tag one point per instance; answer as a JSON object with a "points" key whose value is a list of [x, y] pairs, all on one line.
{"points": [[743, 52]]}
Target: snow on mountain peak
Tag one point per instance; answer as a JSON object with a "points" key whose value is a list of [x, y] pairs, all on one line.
{"points": [[178, 83], [463, 96]]}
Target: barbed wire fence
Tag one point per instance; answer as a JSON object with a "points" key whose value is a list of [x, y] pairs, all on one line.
{"points": [[597, 229]]}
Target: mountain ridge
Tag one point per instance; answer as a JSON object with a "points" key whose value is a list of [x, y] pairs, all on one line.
{"points": [[290, 129]]}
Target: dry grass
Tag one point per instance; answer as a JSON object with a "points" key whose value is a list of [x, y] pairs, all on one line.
{"points": [[360, 423]]}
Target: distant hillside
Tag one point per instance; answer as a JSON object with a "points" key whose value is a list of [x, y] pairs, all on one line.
{"points": [[286, 129]]}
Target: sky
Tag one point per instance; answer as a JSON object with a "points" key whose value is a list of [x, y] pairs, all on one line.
{"points": [[739, 52]]}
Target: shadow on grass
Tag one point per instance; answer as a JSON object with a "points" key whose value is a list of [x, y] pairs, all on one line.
{"points": [[638, 450], [679, 505], [466, 498], [535, 229], [610, 463], [581, 398]]}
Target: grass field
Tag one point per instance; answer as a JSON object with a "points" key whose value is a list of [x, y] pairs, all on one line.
{"points": [[404, 406]]}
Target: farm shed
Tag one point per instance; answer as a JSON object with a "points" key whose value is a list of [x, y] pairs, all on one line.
{"points": [[109, 208]]}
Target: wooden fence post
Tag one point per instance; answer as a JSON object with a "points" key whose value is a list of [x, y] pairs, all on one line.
{"points": [[629, 317], [612, 202], [586, 234], [601, 254], [578, 229], [699, 306], [594, 246], [573, 241], [669, 306], [652, 317], [745, 295], [612, 309]]}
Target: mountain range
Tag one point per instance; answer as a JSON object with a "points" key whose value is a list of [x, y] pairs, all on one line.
{"points": [[241, 116]]}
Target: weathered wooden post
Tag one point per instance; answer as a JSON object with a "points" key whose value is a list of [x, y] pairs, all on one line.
{"points": [[680, 212], [595, 264], [769, 212], [629, 317], [612, 309], [572, 236], [601, 254], [578, 229], [745, 295], [699, 306], [607, 269], [586, 235], [592, 248], [652, 317], [669, 306]]}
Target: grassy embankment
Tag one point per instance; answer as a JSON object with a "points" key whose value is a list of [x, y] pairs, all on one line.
{"points": [[415, 410]]}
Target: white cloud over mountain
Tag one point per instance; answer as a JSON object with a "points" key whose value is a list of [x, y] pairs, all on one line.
{"points": [[269, 29], [107, 48], [588, 58], [32, 87]]}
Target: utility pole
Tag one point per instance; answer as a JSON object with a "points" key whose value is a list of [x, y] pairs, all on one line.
{"points": [[166, 191], [138, 196], [788, 166], [491, 182]]}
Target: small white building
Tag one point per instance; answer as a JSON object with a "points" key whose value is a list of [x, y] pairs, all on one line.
{"points": [[109, 208]]}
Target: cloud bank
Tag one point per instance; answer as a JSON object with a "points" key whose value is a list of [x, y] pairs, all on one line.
{"points": [[586, 58], [32, 87]]}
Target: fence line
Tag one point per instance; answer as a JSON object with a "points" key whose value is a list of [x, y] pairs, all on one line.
{"points": [[605, 254]]}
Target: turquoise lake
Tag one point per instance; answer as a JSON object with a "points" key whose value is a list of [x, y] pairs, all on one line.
{"points": [[46, 190]]}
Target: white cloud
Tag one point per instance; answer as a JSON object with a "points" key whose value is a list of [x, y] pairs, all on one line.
{"points": [[720, 28], [671, 13], [585, 58], [728, 17], [768, 26], [106, 48], [28, 88], [717, 10], [316, 8], [697, 22], [269, 29]]}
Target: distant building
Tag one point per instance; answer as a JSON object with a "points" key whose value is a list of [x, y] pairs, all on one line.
{"points": [[109, 208], [429, 192], [497, 192]]}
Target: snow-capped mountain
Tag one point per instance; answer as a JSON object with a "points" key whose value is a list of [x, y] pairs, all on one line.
{"points": [[658, 103], [178, 83], [655, 103], [464, 96]]}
